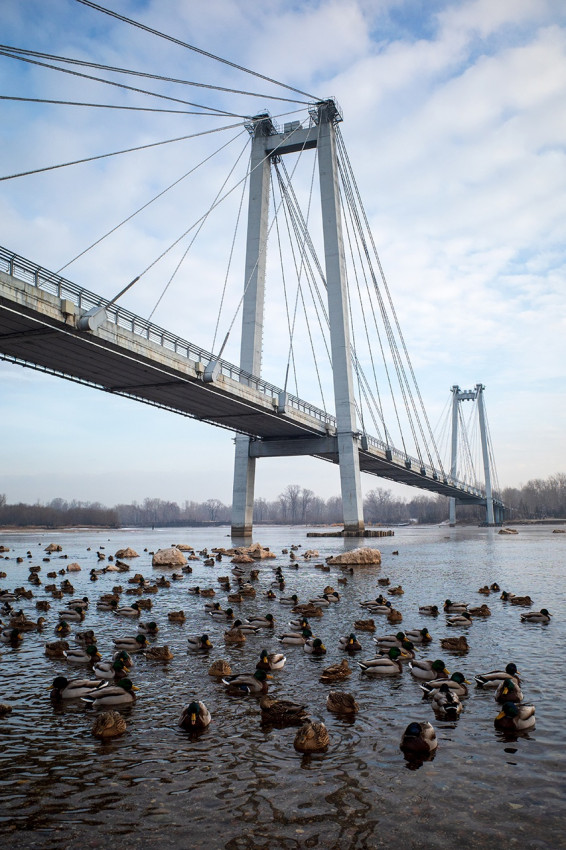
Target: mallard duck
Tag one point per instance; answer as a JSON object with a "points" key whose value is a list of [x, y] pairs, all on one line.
{"points": [[387, 641], [12, 636], [336, 672], [271, 660], [199, 643], [270, 594], [394, 616], [383, 665], [289, 600], [300, 624], [108, 724], [494, 678], [455, 607], [195, 717], [312, 738], [407, 651], [339, 702], [494, 587], [515, 718], [446, 703], [485, 590], [419, 740], [267, 622], [212, 606], [176, 616], [63, 688], [79, 603], [506, 595], [314, 646], [364, 625], [457, 644], [159, 653], [131, 644], [120, 694], [396, 591], [56, 649], [521, 600], [246, 683], [295, 638], [308, 610], [124, 656], [480, 611], [508, 691], [245, 627], [23, 624], [195, 590], [460, 621], [150, 628], [457, 683], [222, 616], [429, 610], [83, 656], [220, 668], [541, 616], [282, 712], [234, 636], [375, 608], [107, 605], [128, 610], [72, 615], [419, 635], [427, 670], [350, 643], [85, 639], [110, 670]]}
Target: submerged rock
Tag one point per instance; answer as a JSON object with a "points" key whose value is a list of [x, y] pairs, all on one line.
{"points": [[362, 556]]}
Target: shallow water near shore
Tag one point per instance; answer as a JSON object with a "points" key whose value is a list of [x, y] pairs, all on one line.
{"points": [[241, 786]]}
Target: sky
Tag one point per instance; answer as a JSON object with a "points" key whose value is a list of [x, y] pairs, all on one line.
{"points": [[455, 125]]}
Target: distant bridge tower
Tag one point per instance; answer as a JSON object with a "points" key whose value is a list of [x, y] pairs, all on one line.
{"points": [[266, 142], [458, 396]]}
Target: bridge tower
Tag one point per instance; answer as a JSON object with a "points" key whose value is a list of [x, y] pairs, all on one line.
{"points": [[458, 396], [267, 143]]}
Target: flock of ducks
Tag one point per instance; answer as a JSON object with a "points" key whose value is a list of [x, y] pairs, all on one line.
{"points": [[108, 683]]}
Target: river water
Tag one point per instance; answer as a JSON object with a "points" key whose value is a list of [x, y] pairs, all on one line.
{"points": [[240, 786]]}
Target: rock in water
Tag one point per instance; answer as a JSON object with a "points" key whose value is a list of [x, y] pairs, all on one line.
{"points": [[363, 556], [168, 558], [126, 553]]}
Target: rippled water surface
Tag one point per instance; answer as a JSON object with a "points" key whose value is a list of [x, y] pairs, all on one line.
{"points": [[243, 787]]}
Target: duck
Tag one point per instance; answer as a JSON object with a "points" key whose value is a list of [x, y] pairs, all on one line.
{"points": [[494, 678], [508, 691], [221, 616], [427, 670], [295, 638], [195, 717], [460, 620], [107, 605], [219, 668], [314, 646], [128, 610], [383, 665], [12, 636], [246, 683], [308, 610], [379, 609], [521, 600], [212, 606], [271, 660], [23, 624], [507, 596], [350, 643], [446, 703], [245, 627], [267, 622], [429, 610], [300, 624], [541, 616], [131, 644], [56, 649], [72, 615], [480, 611], [336, 672], [339, 702], [485, 590], [419, 740], [419, 635], [364, 625], [199, 643], [63, 688], [457, 644], [108, 724], [85, 639], [83, 656], [494, 587], [394, 616], [269, 594], [79, 603], [455, 607], [150, 628], [158, 653], [289, 600], [457, 683], [120, 694], [234, 636], [176, 616], [124, 656], [282, 711], [387, 641], [109, 670], [312, 738], [515, 718]]}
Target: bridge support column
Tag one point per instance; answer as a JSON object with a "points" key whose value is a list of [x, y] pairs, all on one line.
{"points": [[252, 315], [352, 503], [489, 514]]}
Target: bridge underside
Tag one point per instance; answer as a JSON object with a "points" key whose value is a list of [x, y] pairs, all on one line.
{"points": [[39, 330]]}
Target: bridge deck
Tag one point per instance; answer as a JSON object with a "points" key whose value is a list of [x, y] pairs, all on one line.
{"points": [[128, 356]]}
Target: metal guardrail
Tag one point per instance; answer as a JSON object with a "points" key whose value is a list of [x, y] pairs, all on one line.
{"points": [[54, 284]]}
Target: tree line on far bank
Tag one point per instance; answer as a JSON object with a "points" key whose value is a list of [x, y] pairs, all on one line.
{"points": [[536, 500]]}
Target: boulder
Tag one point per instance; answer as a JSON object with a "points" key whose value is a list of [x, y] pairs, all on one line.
{"points": [[168, 558], [363, 556], [126, 553], [184, 547], [53, 547], [74, 568]]}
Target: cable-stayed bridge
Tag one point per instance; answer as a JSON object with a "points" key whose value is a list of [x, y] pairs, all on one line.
{"points": [[49, 323]]}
